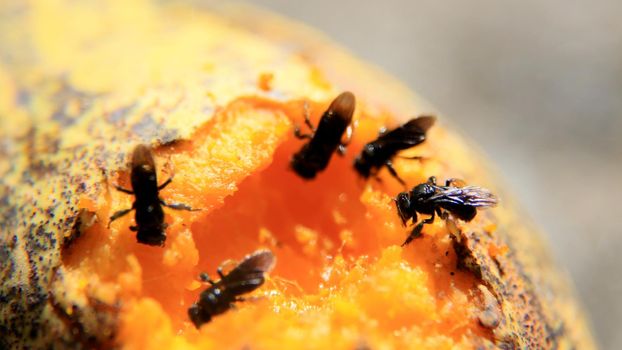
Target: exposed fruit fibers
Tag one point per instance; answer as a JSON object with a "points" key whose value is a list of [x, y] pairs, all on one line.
{"points": [[340, 276]]}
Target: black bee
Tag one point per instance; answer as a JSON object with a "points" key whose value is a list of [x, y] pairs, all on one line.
{"points": [[380, 152], [314, 156], [149, 216], [247, 276], [428, 198]]}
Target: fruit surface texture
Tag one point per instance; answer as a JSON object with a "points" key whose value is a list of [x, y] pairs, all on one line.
{"points": [[216, 93]]}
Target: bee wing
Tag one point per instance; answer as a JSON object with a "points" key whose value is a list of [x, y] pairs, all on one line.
{"points": [[409, 134], [256, 263], [249, 274], [470, 195], [246, 285]]}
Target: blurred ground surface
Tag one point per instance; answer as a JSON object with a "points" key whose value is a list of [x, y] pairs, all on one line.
{"points": [[539, 86]]}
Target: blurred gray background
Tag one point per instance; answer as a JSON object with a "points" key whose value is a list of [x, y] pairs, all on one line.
{"points": [[538, 84]]}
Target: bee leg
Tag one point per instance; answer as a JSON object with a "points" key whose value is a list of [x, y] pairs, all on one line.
{"points": [[240, 299], [133, 228], [178, 206], [308, 123], [300, 135], [204, 277], [118, 214], [391, 169], [124, 190], [416, 232], [161, 187], [307, 115], [220, 273]]}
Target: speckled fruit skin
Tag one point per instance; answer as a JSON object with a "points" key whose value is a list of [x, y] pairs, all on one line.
{"points": [[81, 83]]}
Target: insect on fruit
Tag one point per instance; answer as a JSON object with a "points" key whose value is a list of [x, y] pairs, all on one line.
{"points": [[314, 156], [430, 199], [381, 151], [247, 276], [149, 215]]}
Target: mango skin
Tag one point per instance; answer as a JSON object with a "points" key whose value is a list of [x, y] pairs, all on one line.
{"points": [[65, 125]]}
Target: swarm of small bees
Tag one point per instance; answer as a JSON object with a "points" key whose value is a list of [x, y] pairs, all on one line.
{"points": [[454, 198]]}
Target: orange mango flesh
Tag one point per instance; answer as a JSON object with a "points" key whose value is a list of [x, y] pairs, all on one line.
{"points": [[341, 278]]}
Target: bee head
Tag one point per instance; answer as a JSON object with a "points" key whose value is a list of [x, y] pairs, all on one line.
{"points": [[303, 167], [362, 167], [404, 207], [196, 316]]}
